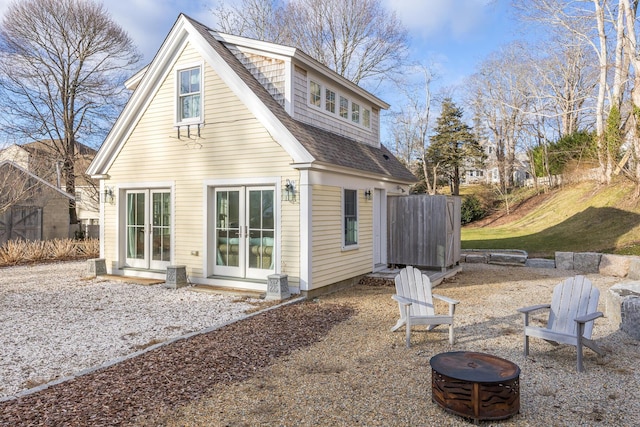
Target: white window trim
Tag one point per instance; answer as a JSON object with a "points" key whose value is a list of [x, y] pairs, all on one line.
{"points": [[195, 120], [346, 247], [336, 115]]}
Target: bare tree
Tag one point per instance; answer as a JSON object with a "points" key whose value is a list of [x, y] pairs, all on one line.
{"points": [[62, 65], [358, 39], [502, 100], [411, 124], [593, 21]]}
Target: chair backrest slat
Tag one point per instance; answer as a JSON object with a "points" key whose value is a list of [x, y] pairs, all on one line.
{"points": [[574, 297], [412, 284]]}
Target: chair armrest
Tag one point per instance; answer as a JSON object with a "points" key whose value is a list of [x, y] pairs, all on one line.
{"points": [[402, 300], [534, 308], [589, 317], [445, 299]]}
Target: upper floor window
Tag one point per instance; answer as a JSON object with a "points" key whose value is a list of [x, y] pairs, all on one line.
{"points": [[355, 112], [344, 107], [330, 100], [366, 118], [333, 102], [315, 94], [189, 94]]}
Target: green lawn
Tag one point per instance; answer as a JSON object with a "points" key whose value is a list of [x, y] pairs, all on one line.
{"points": [[576, 218]]}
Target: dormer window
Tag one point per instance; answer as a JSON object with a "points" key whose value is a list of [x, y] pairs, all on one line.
{"points": [[366, 118], [355, 112], [330, 100], [344, 107], [189, 94], [334, 103], [315, 94]]}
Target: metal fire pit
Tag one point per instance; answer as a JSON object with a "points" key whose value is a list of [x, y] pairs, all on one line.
{"points": [[475, 385]]}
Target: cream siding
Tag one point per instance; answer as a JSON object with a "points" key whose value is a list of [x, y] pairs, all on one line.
{"points": [[232, 145], [331, 264], [332, 122]]}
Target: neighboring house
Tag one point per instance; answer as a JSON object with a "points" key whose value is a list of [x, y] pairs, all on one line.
{"points": [[490, 173], [240, 159], [40, 158], [30, 207]]}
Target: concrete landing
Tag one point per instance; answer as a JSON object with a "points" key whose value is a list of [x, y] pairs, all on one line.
{"points": [[436, 277]]}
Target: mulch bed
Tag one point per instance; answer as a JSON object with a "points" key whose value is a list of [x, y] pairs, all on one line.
{"points": [[173, 375]]}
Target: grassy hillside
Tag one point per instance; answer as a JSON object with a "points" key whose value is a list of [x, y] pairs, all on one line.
{"points": [[582, 217]]}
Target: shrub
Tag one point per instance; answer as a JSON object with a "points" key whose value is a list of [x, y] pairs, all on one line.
{"points": [[471, 209]]}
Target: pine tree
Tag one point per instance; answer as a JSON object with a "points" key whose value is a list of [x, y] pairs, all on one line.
{"points": [[453, 145]]}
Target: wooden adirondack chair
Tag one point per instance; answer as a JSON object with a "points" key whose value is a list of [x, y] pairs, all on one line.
{"points": [[572, 312], [415, 301]]}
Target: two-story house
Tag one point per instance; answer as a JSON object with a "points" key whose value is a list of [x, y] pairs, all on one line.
{"points": [[239, 159]]}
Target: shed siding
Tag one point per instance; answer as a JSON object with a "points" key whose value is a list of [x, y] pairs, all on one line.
{"points": [[232, 145], [331, 264]]}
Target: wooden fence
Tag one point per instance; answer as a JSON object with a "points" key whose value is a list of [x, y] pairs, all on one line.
{"points": [[424, 231]]}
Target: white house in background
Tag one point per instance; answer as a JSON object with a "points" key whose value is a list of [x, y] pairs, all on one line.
{"points": [[489, 174], [240, 159]]}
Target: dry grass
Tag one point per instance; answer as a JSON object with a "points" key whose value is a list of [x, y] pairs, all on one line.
{"points": [[16, 252]]}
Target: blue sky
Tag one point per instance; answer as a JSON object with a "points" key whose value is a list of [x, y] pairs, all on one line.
{"points": [[455, 35]]}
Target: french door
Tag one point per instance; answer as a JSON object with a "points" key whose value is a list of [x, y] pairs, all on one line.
{"points": [[244, 232], [148, 229]]}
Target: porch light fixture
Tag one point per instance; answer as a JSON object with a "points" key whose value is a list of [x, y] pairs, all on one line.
{"points": [[290, 191], [108, 195], [367, 194]]}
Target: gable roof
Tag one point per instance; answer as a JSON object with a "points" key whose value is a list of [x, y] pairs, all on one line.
{"points": [[309, 146], [12, 165]]}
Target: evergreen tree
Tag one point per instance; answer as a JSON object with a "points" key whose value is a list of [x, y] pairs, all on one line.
{"points": [[453, 145]]}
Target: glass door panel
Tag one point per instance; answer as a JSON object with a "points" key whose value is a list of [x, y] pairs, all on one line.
{"points": [[135, 228], [261, 232], [160, 229], [228, 232]]}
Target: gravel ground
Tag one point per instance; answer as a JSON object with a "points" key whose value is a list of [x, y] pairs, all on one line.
{"points": [[54, 322], [334, 362]]}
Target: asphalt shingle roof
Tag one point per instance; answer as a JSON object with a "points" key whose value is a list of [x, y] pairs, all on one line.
{"points": [[326, 147]]}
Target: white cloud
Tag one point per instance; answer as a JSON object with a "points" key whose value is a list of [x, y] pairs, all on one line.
{"points": [[443, 18]]}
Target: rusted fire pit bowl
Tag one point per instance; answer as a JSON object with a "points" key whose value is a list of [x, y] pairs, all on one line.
{"points": [[475, 385]]}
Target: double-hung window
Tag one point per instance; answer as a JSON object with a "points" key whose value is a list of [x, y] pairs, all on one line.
{"points": [[330, 100], [366, 118], [189, 94], [315, 93], [350, 217], [355, 112]]}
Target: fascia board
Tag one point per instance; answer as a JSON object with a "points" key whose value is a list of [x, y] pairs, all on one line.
{"points": [[329, 168], [140, 99], [256, 45]]}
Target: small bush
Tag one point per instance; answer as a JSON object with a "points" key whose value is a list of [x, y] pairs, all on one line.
{"points": [[471, 209]]}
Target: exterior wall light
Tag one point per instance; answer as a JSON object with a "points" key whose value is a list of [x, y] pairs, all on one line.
{"points": [[290, 191], [109, 196]]}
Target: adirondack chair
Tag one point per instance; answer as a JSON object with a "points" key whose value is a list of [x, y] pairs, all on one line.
{"points": [[571, 317], [415, 301]]}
